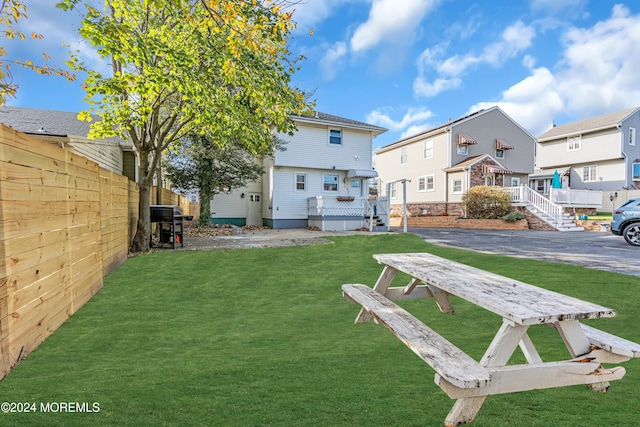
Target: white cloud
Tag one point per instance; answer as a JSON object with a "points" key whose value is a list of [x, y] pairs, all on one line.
{"points": [[532, 102], [554, 6], [597, 75], [600, 65], [421, 87], [330, 61], [307, 14], [57, 27], [515, 39], [390, 20], [414, 117]]}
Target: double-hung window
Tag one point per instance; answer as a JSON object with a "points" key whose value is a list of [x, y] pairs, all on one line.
{"points": [[335, 136], [403, 155], [426, 183], [301, 181], [574, 143], [393, 190], [428, 149], [590, 173], [635, 167], [632, 136], [330, 182], [456, 186]]}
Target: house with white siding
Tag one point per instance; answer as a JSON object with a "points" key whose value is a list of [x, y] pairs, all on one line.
{"points": [[598, 154], [321, 179], [438, 166], [64, 129]]}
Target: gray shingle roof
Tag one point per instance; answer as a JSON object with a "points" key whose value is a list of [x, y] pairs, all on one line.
{"points": [[593, 123], [323, 117], [46, 122]]}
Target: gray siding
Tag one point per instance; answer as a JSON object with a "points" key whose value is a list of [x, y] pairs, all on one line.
{"points": [[485, 128]]}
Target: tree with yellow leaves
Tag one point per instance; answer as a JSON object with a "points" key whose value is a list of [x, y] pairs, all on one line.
{"points": [[219, 68], [11, 11]]}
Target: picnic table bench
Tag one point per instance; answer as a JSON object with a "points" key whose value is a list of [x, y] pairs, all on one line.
{"points": [[521, 305]]}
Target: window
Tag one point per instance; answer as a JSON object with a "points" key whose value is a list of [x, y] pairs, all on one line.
{"points": [[428, 149], [590, 173], [574, 143], [301, 181], [403, 155], [426, 183], [632, 136], [463, 150], [635, 167], [499, 154], [540, 185], [330, 182], [335, 136], [515, 182], [456, 186], [490, 180], [355, 183], [393, 190]]}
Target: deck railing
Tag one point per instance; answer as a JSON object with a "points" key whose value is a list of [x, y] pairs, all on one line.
{"points": [[577, 198], [340, 206], [524, 194]]}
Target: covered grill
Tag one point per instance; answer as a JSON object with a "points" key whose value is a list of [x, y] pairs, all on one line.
{"points": [[170, 220]]}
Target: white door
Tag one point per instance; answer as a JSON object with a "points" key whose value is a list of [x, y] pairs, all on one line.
{"points": [[254, 209]]}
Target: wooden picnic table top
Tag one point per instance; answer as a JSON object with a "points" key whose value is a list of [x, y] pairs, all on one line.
{"points": [[517, 301]]}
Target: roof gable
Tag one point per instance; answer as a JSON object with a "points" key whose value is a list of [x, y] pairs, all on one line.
{"points": [[588, 125], [323, 118], [449, 125]]}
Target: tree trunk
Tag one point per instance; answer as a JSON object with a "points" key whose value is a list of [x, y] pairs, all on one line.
{"points": [[142, 239], [205, 208]]}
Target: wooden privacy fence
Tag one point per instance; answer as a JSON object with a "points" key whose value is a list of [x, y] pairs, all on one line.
{"points": [[64, 224]]}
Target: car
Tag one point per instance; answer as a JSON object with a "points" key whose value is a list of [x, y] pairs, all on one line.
{"points": [[626, 222]]}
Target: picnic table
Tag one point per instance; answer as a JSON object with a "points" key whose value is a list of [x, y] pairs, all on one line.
{"points": [[520, 305]]}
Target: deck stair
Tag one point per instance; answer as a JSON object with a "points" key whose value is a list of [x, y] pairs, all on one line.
{"points": [[543, 208]]}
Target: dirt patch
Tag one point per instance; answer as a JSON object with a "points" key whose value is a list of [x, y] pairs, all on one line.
{"points": [[231, 237]]}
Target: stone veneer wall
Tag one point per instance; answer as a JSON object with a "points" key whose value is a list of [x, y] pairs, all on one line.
{"points": [[417, 209], [454, 222]]}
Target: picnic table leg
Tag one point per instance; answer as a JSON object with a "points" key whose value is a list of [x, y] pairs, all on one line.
{"points": [[578, 344], [385, 279], [499, 352]]}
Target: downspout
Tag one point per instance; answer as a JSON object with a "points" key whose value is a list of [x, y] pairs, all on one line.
{"points": [[624, 155]]}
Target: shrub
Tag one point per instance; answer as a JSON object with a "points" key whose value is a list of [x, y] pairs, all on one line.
{"points": [[513, 216], [483, 202]]}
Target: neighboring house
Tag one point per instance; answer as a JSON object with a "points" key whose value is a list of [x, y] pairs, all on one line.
{"points": [[600, 153], [64, 129], [320, 179], [439, 165]]}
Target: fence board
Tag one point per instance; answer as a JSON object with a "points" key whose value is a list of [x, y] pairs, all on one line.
{"points": [[64, 224]]}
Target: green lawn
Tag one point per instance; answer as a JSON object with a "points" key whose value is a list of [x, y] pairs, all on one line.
{"points": [[261, 337]]}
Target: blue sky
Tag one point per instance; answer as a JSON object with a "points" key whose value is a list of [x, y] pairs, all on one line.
{"points": [[408, 65]]}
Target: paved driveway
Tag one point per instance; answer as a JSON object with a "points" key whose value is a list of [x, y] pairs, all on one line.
{"points": [[602, 251]]}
